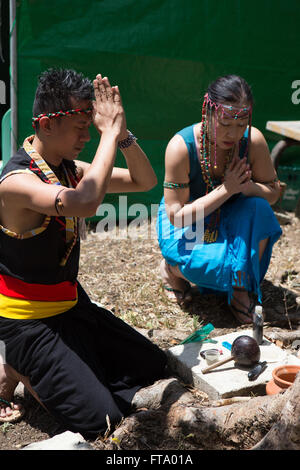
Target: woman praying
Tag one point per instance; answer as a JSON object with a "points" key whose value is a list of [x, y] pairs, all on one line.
{"points": [[215, 225]]}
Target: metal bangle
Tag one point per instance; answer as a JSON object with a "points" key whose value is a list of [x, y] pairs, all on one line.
{"points": [[58, 202]]}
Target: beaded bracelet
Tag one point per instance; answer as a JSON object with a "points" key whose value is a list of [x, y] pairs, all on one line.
{"points": [[168, 185], [123, 144]]}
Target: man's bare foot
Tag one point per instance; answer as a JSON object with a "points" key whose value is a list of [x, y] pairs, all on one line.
{"points": [[176, 288], [241, 307], [9, 411]]}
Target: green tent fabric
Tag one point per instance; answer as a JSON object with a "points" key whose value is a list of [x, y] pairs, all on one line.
{"points": [[163, 54], [5, 137]]}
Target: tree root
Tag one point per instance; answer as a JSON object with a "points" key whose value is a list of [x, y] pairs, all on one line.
{"points": [[170, 416], [285, 433]]}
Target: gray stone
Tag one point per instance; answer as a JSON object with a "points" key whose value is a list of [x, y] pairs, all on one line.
{"points": [[66, 441]]}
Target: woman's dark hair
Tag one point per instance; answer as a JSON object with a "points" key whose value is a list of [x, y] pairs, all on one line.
{"points": [[56, 87], [230, 88]]}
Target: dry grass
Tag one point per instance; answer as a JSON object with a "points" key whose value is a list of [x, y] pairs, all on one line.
{"points": [[123, 275]]}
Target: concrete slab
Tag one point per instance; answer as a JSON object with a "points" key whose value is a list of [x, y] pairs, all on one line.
{"points": [[229, 379]]}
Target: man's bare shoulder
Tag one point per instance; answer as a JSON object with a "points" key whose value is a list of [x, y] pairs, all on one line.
{"points": [[26, 191], [18, 182], [16, 190]]}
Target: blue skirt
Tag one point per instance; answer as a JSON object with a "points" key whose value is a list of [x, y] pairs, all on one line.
{"points": [[233, 259]]}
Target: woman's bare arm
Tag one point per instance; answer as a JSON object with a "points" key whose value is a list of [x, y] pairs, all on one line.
{"points": [[264, 182], [179, 209]]}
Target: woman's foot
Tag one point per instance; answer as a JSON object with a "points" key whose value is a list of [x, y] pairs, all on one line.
{"points": [[9, 411], [176, 288], [241, 307]]}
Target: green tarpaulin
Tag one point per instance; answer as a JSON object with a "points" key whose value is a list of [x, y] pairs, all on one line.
{"points": [[163, 54]]}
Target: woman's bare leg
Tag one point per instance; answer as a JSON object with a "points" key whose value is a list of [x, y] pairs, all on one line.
{"points": [[262, 247], [174, 279]]}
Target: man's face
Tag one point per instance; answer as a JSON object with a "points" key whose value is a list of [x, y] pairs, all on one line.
{"points": [[70, 133]]}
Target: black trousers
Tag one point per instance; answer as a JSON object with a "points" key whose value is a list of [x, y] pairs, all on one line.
{"points": [[83, 364]]}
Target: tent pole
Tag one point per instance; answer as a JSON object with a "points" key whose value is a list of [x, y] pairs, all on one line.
{"points": [[13, 76]]}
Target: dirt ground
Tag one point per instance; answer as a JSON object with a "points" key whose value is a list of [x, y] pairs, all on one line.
{"points": [[122, 274]]}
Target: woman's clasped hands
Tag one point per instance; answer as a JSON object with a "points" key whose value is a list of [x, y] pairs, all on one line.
{"points": [[237, 177]]}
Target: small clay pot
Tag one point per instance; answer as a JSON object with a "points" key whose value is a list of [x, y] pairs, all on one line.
{"points": [[283, 377]]}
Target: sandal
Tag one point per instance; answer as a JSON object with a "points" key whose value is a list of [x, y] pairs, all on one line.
{"points": [[15, 414], [237, 312], [180, 296]]}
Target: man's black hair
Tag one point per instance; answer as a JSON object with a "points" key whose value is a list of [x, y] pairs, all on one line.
{"points": [[57, 86]]}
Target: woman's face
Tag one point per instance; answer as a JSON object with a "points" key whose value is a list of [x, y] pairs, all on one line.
{"points": [[229, 130]]}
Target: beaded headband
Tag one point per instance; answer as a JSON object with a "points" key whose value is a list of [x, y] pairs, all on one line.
{"points": [[234, 113], [69, 112], [237, 111]]}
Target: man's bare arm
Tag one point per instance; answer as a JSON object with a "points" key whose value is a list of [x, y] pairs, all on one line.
{"points": [[21, 191], [28, 192], [138, 176]]}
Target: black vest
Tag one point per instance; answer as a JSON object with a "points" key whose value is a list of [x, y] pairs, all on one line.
{"points": [[37, 259]]}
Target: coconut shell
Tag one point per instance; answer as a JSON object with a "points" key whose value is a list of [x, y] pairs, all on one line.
{"points": [[245, 350]]}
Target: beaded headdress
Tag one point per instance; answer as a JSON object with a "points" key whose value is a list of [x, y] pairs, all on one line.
{"points": [[207, 131], [221, 110], [69, 112]]}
